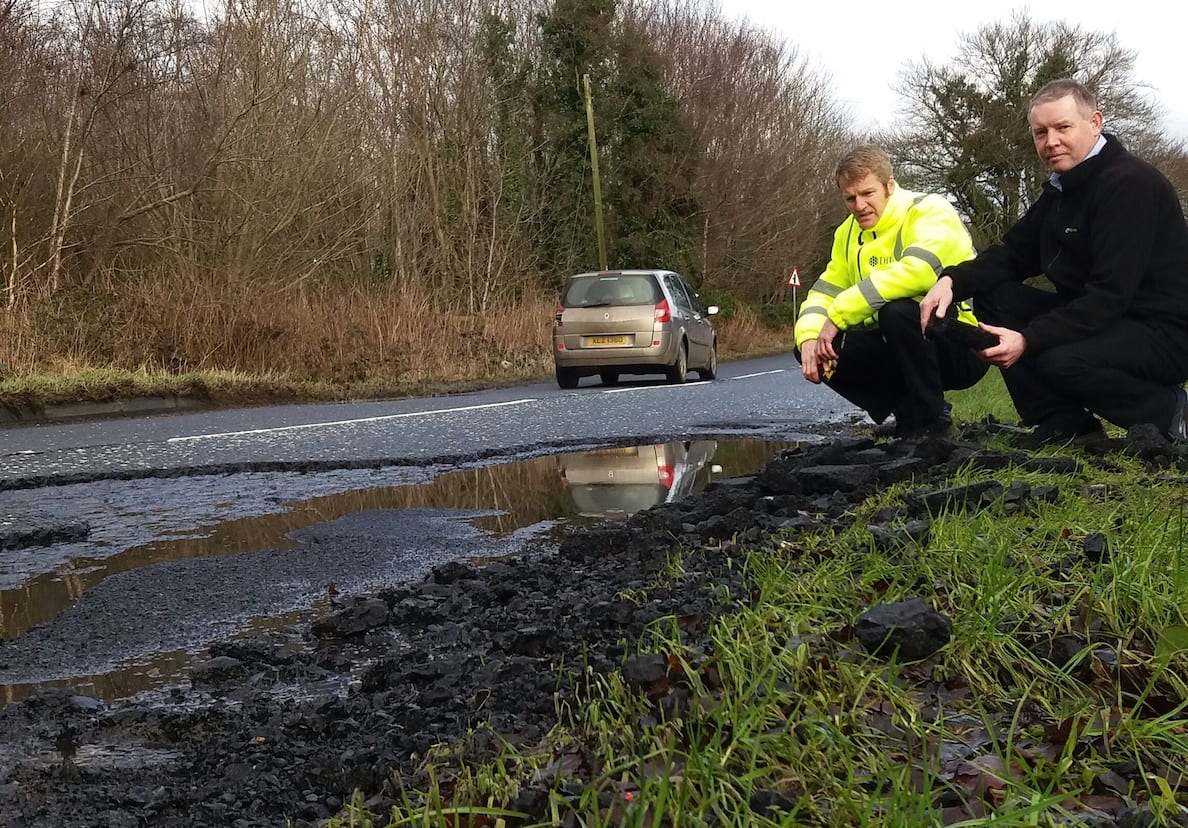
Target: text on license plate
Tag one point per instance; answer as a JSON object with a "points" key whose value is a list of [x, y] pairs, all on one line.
{"points": [[606, 340]]}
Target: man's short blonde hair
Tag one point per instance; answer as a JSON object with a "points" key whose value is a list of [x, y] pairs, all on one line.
{"points": [[860, 161]]}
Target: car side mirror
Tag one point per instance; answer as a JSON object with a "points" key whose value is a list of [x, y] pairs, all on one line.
{"points": [[711, 310]]}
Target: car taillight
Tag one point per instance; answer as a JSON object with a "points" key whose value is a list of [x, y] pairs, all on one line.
{"points": [[557, 313], [665, 475], [663, 314]]}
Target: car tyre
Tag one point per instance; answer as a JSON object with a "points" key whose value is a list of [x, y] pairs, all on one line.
{"points": [[711, 367], [610, 377], [567, 377], [679, 370]]}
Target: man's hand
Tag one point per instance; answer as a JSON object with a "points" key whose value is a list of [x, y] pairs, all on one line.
{"points": [[814, 365], [1011, 346], [825, 340], [817, 356], [936, 301]]}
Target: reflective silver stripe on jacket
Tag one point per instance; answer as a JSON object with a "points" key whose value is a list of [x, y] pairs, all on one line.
{"points": [[927, 256], [871, 294], [828, 288]]}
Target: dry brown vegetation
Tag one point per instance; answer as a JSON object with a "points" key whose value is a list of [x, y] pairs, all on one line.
{"points": [[372, 189], [363, 191]]}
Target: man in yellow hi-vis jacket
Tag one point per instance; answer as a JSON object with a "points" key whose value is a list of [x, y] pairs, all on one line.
{"points": [[859, 326]]}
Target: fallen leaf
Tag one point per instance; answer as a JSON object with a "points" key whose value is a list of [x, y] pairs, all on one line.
{"points": [[1111, 805], [1060, 732], [1108, 780], [960, 813], [711, 678], [984, 774]]}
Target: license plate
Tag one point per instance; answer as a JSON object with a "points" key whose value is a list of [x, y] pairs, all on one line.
{"points": [[603, 341]]}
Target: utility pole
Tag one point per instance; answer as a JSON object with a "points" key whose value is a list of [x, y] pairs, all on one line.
{"points": [[594, 173]]}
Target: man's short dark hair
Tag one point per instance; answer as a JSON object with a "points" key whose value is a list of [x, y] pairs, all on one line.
{"points": [[1055, 90]]}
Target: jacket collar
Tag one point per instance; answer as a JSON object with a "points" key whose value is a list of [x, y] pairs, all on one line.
{"points": [[891, 217], [1078, 175]]}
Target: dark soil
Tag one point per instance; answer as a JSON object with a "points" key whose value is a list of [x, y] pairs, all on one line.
{"points": [[282, 729]]}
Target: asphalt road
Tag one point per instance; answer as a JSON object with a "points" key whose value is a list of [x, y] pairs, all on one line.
{"points": [[750, 396], [201, 524]]}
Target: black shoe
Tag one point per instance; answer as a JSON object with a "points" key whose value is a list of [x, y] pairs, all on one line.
{"points": [[941, 426], [936, 428], [1060, 433], [1178, 432]]}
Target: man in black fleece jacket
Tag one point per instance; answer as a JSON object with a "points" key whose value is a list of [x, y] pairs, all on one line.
{"points": [[1109, 233]]}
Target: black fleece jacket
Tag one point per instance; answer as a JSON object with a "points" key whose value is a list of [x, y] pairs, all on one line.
{"points": [[1113, 240]]}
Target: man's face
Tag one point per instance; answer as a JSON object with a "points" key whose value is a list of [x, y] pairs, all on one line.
{"points": [[1063, 135], [866, 198]]}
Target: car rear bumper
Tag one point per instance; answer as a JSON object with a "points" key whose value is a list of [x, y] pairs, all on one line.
{"points": [[593, 358]]}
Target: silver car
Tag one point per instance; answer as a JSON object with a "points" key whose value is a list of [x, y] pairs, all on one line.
{"points": [[618, 322]]}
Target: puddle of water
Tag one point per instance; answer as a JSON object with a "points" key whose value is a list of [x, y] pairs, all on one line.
{"points": [[589, 486], [107, 757], [160, 671], [124, 683]]}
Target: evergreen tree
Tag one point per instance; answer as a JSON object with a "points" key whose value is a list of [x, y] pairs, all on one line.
{"points": [[651, 162], [576, 40], [647, 153]]}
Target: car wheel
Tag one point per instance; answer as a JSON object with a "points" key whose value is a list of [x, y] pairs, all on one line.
{"points": [[610, 377], [679, 370], [567, 377], [711, 367]]}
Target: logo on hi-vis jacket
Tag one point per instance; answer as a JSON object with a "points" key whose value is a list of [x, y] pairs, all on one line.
{"points": [[875, 261]]}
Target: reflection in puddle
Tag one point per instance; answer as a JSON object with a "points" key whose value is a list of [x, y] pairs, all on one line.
{"points": [[117, 684], [161, 670], [618, 482], [540, 492]]}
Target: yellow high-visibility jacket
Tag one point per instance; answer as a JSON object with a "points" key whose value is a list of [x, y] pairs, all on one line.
{"points": [[917, 236]]}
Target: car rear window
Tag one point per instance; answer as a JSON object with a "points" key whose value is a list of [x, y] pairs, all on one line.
{"points": [[611, 289]]}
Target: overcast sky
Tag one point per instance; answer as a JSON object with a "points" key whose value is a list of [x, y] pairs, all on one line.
{"points": [[863, 45]]}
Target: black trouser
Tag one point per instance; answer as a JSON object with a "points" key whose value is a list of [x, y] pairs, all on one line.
{"points": [[1127, 374], [893, 368]]}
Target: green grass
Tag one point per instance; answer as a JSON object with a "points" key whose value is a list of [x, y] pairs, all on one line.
{"points": [[996, 729], [987, 398]]}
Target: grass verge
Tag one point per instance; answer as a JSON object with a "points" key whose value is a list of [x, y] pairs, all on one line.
{"points": [[1060, 700], [460, 362]]}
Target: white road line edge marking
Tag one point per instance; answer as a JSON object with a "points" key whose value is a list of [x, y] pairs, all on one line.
{"points": [[653, 387], [760, 374], [687, 384], [349, 422]]}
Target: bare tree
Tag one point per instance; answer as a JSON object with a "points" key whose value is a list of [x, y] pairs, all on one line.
{"points": [[101, 61], [964, 128], [172, 181], [770, 132]]}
